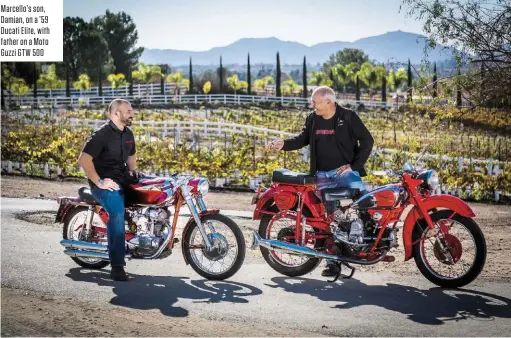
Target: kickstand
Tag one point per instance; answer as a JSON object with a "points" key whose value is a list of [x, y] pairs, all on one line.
{"points": [[351, 273], [339, 265]]}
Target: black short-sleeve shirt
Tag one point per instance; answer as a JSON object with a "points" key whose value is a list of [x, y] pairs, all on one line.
{"points": [[110, 148], [328, 156]]}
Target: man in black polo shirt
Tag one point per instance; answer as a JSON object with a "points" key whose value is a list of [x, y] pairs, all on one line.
{"points": [[339, 145], [109, 161]]}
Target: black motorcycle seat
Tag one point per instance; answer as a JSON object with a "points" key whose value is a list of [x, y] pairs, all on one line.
{"points": [[291, 177], [85, 195]]}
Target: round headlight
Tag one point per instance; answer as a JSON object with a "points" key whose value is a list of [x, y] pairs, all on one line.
{"points": [[430, 179], [433, 180], [204, 187]]}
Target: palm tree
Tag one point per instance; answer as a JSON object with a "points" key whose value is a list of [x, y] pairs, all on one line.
{"points": [[290, 87], [83, 83], [318, 79], [146, 74], [117, 81], [397, 79], [178, 80], [340, 76], [262, 83], [233, 82], [50, 80]]}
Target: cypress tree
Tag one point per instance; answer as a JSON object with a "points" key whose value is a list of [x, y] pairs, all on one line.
{"points": [[162, 82], [191, 77], [277, 81], [384, 87], [35, 79], [458, 90], [221, 75], [409, 96], [304, 78], [249, 76]]}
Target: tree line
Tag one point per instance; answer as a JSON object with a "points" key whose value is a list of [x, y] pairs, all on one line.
{"points": [[479, 34]]}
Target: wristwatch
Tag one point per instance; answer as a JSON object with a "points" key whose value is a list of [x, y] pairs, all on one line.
{"points": [[100, 182]]}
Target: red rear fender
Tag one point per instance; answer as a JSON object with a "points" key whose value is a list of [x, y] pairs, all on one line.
{"points": [[267, 199]]}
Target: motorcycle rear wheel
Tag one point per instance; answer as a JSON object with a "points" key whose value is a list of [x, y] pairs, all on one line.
{"points": [[68, 231], [277, 264]]}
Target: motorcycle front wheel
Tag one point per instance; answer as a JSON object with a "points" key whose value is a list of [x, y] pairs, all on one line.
{"points": [[453, 260], [227, 254]]}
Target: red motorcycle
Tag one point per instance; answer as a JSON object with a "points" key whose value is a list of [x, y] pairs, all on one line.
{"points": [[438, 231], [213, 244]]}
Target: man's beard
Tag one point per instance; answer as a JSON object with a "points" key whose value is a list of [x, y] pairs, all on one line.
{"points": [[127, 122]]}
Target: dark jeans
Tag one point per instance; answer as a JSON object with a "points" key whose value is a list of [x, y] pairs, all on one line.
{"points": [[113, 202], [330, 179]]}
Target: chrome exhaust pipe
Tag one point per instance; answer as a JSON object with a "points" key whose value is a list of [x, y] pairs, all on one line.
{"points": [[273, 244], [86, 254], [80, 245], [90, 254]]}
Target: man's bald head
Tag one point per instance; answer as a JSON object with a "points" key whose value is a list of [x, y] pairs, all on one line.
{"points": [[121, 112], [117, 104], [323, 101]]}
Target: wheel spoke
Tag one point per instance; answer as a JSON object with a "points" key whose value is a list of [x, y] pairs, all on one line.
{"points": [[456, 240], [210, 262]]}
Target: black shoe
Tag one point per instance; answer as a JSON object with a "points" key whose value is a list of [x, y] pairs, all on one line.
{"points": [[331, 270], [118, 274]]}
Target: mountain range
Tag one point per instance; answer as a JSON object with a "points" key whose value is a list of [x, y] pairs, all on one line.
{"points": [[397, 46]]}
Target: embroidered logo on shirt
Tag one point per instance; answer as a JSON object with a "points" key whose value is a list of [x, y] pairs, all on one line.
{"points": [[129, 142], [325, 132]]}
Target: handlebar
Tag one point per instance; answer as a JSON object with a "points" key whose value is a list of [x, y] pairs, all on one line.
{"points": [[176, 179], [388, 172]]}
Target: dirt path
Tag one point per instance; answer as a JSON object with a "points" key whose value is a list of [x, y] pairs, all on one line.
{"points": [[26, 313]]}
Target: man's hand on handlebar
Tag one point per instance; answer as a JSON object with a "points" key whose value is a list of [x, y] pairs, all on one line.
{"points": [[135, 175]]}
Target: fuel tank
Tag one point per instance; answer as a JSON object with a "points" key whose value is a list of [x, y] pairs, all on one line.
{"points": [[385, 197]]}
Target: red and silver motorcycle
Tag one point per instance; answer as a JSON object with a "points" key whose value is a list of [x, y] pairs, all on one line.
{"points": [[438, 231], [213, 244]]}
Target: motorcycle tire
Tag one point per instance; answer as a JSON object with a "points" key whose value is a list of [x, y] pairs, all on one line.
{"points": [[303, 269], [69, 216], [478, 239], [240, 242]]}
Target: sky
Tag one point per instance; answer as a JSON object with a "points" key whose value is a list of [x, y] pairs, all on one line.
{"points": [[199, 25]]}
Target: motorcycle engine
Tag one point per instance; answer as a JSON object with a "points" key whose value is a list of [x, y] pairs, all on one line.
{"points": [[151, 229], [359, 230], [346, 229]]}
